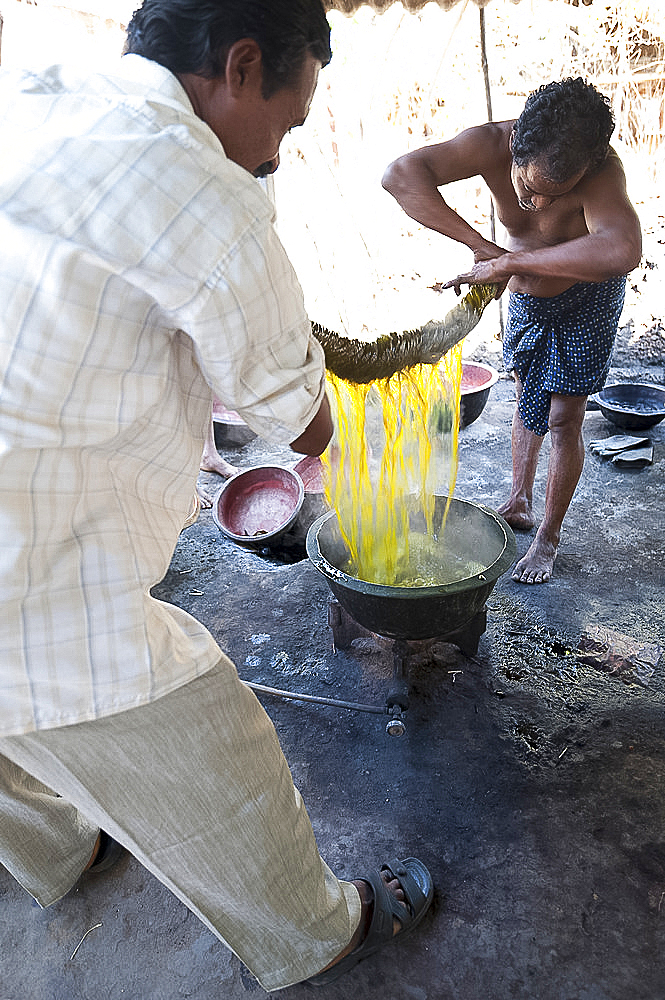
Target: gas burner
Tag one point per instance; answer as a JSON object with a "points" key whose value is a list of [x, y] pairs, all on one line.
{"points": [[412, 618], [345, 630]]}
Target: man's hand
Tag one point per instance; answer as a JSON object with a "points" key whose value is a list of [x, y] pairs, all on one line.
{"points": [[483, 272], [487, 251]]}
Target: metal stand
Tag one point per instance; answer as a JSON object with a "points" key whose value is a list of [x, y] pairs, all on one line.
{"points": [[397, 699], [345, 629]]}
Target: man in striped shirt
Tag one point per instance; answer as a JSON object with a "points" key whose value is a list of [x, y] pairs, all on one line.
{"points": [[140, 275]]}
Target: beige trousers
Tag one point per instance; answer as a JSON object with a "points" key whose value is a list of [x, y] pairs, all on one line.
{"points": [[195, 785]]}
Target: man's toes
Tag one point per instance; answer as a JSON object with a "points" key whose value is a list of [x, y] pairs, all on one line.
{"points": [[394, 886], [531, 576], [520, 573], [524, 573], [204, 497]]}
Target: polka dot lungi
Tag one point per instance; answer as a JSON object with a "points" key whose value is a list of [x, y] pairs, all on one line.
{"points": [[561, 344]]}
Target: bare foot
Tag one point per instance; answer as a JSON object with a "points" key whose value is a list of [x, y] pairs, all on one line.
{"points": [[215, 463], [537, 565], [518, 514], [203, 495], [212, 461]]}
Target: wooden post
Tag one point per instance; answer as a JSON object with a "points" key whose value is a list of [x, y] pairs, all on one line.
{"points": [[488, 97], [488, 101]]}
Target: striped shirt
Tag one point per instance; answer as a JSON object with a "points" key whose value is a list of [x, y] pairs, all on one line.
{"points": [[140, 274]]}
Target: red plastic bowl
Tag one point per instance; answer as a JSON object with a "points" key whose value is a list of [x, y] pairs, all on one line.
{"points": [[477, 380], [258, 505], [310, 470]]}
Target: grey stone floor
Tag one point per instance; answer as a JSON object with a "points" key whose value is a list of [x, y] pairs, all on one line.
{"points": [[531, 784]]}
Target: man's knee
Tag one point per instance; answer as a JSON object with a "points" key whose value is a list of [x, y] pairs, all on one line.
{"points": [[566, 416]]}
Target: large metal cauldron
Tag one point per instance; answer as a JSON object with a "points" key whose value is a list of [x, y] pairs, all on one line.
{"points": [[475, 533]]}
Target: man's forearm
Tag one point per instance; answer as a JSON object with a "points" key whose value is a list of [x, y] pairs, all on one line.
{"points": [[416, 193], [433, 213], [588, 258]]}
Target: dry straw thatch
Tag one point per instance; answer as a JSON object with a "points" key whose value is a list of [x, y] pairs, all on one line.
{"points": [[399, 80], [351, 6]]}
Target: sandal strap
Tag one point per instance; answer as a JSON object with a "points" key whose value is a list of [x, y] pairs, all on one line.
{"points": [[387, 907], [384, 908], [415, 898], [418, 889]]}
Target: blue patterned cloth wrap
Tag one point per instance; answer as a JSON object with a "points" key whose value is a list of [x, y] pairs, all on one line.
{"points": [[561, 344]]}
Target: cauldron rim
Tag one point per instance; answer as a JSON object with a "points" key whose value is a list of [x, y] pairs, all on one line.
{"points": [[489, 575]]}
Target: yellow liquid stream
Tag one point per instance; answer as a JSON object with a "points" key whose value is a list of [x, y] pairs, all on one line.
{"points": [[395, 443]]}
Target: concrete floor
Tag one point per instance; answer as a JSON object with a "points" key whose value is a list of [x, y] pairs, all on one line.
{"points": [[531, 784]]}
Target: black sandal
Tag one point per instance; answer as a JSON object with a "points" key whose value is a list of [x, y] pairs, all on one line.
{"points": [[418, 889], [108, 854]]}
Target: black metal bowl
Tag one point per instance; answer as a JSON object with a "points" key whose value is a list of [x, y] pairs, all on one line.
{"points": [[229, 428], [632, 405], [419, 612]]}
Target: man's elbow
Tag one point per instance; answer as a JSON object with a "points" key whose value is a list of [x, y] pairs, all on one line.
{"points": [[395, 176], [625, 256], [633, 252], [626, 244], [315, 438]]}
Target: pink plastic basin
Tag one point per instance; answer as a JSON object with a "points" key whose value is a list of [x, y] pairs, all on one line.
{"points": [[258, 505], [477, 380]]}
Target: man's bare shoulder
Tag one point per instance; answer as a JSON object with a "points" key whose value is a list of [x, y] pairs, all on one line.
{"points": [[491, 137], [603, 193], [609, 174], [499, 132], [478, 150]]}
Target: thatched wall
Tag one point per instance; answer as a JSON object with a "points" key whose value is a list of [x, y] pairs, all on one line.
{"points": [[350, 6]]}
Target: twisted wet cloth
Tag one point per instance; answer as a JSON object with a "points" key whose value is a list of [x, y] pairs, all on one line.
{"points": [[562, 344]]}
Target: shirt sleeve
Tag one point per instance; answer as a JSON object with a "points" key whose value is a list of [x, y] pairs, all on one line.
{"points": [[253, 338]]}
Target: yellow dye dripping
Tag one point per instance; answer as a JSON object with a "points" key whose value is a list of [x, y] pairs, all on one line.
{"points": [[395, 446]]}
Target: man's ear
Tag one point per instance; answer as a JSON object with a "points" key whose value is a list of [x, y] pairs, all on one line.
{"points": [[510, 139], [244, 65]]}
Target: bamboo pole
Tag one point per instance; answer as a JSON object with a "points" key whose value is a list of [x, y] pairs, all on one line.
{"points": [[488, 101]]}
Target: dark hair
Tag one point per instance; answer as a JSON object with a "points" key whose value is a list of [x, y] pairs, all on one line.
{"points": [[194, 36], [565, 127]]}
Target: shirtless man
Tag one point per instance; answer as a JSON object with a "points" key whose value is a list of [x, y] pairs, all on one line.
{"points": [[560, 193]]}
